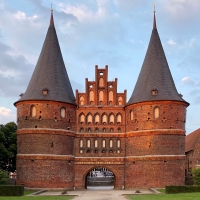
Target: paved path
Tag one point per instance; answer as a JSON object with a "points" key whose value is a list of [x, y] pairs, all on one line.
{"points": [[93, 194]]}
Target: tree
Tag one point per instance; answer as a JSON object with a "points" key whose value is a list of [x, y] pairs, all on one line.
{"points": [[3, 177], [196, 176], [8, 146]]}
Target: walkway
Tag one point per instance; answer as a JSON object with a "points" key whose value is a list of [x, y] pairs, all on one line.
{"points": [[93, 194]]}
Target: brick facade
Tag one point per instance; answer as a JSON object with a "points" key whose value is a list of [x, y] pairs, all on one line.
{"points": [[140, 149], [61, 138]]}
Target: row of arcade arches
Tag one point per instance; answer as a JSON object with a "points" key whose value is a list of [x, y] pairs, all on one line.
{"points": [[100, 119]]}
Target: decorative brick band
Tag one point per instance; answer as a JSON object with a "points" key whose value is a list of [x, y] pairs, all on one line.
{"points": [[99, 135], [46, 131], [99, 160], [155, 157], [45, 157], [156, 132]]}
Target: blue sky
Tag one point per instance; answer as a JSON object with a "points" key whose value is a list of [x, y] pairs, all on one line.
{"points": [[103, 32]]}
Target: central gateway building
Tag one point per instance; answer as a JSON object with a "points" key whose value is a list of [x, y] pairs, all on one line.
{"points": [[61, 138]]}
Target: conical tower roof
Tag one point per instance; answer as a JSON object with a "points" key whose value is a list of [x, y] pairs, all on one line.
{"points": [[155, 81], [50, 80]]}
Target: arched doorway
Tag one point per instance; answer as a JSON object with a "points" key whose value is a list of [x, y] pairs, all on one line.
{"points": [[100, 178]]}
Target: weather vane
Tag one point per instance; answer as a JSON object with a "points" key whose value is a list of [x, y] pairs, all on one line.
{"points": [[51, 7], [154, 8]]}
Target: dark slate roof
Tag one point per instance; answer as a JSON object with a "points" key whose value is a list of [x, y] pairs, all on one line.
{"points": [[191, 140], [50, 73], [155, 74]]}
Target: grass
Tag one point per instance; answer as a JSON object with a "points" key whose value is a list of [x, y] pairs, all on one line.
{"points": [[38, 198], [26, 192], [181, 196]]}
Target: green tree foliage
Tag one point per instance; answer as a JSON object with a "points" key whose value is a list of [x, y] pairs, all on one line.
{"points": [[196, 176], [8, 146], [3, 177]]}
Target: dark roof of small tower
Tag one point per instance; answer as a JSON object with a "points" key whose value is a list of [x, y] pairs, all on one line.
{"points": [[50, 73], [155, 75]]}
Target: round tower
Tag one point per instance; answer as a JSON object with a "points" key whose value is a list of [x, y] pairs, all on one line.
{"points": [[46, 116], [155, 124]]}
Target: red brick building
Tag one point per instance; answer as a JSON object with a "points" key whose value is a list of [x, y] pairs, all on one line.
{"points": [[192, 151], [62, 138]]}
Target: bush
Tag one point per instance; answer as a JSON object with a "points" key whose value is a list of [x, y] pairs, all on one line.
{"points": [[11, 190], [182, 189], [196, 176], [3, 177]]}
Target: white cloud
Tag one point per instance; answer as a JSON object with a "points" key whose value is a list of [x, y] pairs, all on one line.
{"points": [[22, 16], [84, 14], [6, 115], [192, 42], [171, 42], [187, 81]]}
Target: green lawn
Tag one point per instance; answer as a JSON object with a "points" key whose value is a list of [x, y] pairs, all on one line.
{"points": [[182, 196], [38, 198], [26, 192]]}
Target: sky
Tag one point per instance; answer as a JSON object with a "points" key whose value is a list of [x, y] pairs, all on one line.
{"points": [[100, 32]]}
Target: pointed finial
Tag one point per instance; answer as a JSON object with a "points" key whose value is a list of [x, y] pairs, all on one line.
{"points": [[154, 20], [51, 19]]}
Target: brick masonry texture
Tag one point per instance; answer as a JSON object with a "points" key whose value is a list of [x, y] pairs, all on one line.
{"points": [[140, 148], [48, 115]]}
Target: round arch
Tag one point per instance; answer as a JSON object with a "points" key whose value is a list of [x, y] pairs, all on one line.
{"points": [[99, 174]]}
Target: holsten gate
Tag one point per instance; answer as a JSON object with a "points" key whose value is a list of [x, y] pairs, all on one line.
{"points": [[61, 138]]}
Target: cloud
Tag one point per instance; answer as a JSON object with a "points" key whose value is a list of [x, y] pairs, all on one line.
{"points": [[15, 72], [6, 115], [171, 42], [187, 81]]}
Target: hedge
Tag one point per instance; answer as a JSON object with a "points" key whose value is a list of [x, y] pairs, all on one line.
{"points": [[182, 189], [11, 190]]}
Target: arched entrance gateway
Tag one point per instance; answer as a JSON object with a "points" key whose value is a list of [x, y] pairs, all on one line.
{"points": [[99, 178]]}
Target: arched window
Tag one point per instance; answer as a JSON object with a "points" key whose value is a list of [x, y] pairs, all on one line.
{"points": [[82, 118], [82, 100], [156, 112], [88, 143], [63, 112], [111, 119], [101, 82], [89, 130], [96, 129], [120, 100], [91, 96], [101, 96], [82, 129], [118, 143], [111, 143], [103, 143], [97, 119], [119, 118], [96, 143], [89, 119], [110, 99], [33, 111], [81, 143], [132, 114], [104, 119]]}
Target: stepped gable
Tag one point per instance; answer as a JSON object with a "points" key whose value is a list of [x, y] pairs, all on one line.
{"points": [[191, 140], [155, 75], [50, 73]]}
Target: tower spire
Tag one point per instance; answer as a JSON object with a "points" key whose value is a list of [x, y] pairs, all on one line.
{"points": [[51, 18], [154, 18], [50, 74], [155, 81]]}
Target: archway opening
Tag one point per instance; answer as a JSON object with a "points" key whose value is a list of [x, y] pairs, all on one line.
{"points": [[100, 178]]}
